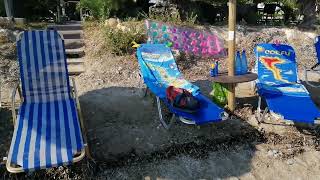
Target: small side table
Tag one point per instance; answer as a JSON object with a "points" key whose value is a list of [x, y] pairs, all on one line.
{"points": [[223, 78]]}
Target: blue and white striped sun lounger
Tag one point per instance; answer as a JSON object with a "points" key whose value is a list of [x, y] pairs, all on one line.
{"points": [[47, 130]]}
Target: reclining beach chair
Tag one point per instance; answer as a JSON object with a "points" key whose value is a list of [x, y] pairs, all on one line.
{"points": [[317, 47], [47, 131], [160, 71], [279, 85]]}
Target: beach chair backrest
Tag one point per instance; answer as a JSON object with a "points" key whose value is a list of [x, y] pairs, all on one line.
{"points": [[276, 64], [188, 40], [159, 69], [43, 67]]}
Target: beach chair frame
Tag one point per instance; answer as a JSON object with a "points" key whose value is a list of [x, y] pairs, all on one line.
{"points": [[305, 73], [168, 123], [74, 94], [261, 114]]}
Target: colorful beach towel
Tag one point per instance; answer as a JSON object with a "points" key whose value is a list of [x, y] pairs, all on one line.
{"points": [[188, 40]]}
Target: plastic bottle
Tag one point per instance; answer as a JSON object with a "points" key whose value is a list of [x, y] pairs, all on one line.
{"points": [[238, 69], [244, 62], [212, 70], [216, 69]]}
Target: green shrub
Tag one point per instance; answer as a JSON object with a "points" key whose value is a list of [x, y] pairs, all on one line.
{"points": [[3, 39], [118, 39], [100, 9], [174, 18]]}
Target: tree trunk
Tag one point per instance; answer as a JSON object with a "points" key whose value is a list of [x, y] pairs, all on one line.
{"points": [[8, 6], [308, 9]]}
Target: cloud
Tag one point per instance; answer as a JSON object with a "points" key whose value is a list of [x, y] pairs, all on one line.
{"points": [[289, 72]]}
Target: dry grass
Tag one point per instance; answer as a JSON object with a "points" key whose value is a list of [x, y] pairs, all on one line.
{"points": [[3, 39]]}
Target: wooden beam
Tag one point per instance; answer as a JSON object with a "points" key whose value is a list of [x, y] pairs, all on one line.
{"points": [[231, 52]]}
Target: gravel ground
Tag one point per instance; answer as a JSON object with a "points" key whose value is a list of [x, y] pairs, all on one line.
{"points": [[131, 145]]}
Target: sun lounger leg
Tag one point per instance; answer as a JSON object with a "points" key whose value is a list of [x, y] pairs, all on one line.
{"points": [[264, 114], [258, 113], [315, 66], [317, 122], [260, 118], [164, 124], [13, 102], [146, 92]]}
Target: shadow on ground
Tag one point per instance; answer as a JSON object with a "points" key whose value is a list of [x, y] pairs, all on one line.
{"points": [[124, 132], [6, 130]]}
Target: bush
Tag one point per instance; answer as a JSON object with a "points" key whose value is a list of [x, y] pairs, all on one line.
{"points": [[2, 9], [174, 18], [118, 39], [3, 39], [99, 9]]}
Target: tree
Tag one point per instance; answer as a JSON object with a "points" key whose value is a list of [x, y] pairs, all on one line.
{"points": [[308, 9], [8, 7], [2, 9], [101, 9]]}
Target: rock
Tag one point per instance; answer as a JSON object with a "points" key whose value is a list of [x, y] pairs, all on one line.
{"points": [[112, 22], [290, 162], [20, 21], [274, 153], [270, 153], [122, 28], [260, 129], [10, 34]]}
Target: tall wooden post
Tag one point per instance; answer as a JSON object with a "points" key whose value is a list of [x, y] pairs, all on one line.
{"points": [[231, 52]]}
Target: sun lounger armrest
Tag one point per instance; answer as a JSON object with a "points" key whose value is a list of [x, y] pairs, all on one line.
{"points": [[84, 131], [13, 101]]}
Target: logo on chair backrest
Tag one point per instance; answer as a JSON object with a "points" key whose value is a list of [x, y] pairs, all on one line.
{"points": [[275, 52], [270, 64]]}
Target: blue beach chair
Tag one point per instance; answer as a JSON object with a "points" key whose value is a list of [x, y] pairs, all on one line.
{"points": [[317, 47], [47, 131], [159, 71], [279, 85], [314, 70]]}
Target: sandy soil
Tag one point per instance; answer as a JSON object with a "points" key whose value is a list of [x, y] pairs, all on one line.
{"points": [[128, 142]]}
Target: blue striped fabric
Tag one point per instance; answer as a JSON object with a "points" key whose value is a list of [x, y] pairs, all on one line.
{"points": [[47, 131]]}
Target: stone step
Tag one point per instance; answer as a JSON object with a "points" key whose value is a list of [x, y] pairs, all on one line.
{"points": [[75, 61], [76, 69], [76, 34], [79, 52], [73, 43], [66, 27]]}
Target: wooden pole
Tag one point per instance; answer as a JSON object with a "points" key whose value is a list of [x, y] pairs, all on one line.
{"points": [[231, 52]]}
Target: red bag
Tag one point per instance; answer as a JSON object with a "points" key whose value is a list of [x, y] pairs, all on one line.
{"points": [[182, 99]]}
